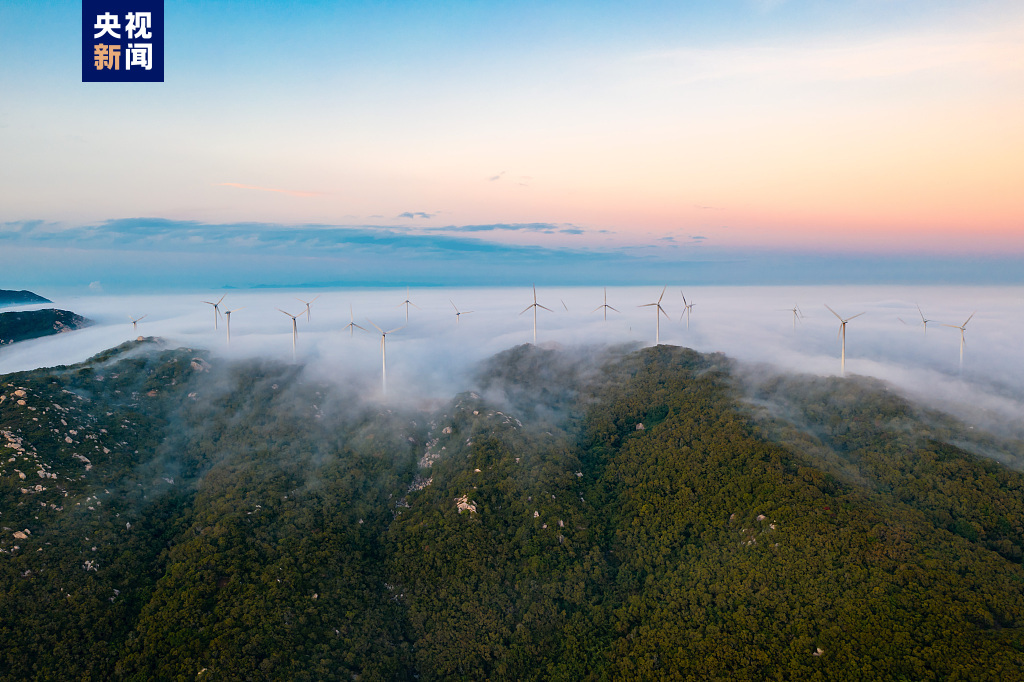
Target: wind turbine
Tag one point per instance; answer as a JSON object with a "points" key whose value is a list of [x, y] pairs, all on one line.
{"points": [[564, 305], [962, 328], [216, 310], [604, 306], [924, 322], [687, 307], [295, 330], [135, 321], [535, 305], [383, 354], [308, 303], [407, 303], [658, 312], [352, 326], [457, 311], [227, 318], [842, 332], [797, 314]]}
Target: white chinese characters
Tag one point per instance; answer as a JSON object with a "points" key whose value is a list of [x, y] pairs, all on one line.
{"points": [[139, 24], [107, 23]]}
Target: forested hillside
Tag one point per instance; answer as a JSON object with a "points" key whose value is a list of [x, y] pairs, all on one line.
{"points": [[32, 324], [601, 514]]}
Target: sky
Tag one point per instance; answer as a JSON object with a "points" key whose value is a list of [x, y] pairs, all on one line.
{"points": [[391, 143]]}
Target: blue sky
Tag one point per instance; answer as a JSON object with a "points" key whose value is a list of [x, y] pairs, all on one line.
{"points": [[497, 140]]}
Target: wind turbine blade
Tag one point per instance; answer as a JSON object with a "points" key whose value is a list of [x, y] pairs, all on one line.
{"points": [[902, 320], [527, 308], [954, 326], [968, 319], [855, 316], [545, 308], [286, 313], [375, 325], [208, 302], [353, 324], [392, 331], [467, 312], [646, 305], [564, 305], [662, 293], [596, 309], [608, 306], [221, 299], [143, 317], [415, 306], [453, 305], [316, 297], [834, 312]]}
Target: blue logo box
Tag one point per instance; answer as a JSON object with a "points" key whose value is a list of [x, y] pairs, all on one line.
{"points": [[122, 41]]}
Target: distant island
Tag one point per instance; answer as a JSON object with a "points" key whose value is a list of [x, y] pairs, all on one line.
{"points": [[31, 324], [10, 297]]}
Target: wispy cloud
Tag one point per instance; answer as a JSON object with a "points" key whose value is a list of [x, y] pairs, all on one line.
{"points": [[543, 228], [289, 192], [416, 214]]}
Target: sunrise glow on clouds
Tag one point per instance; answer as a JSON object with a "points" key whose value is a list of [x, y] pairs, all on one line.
{"points": [[874, 127]]}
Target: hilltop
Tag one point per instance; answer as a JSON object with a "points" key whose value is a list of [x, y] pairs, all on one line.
{"points": [[603, 514], [23, 325], [24, 297]]}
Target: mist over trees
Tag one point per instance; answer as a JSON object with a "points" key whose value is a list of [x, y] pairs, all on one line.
{"points": [[595, 513]]}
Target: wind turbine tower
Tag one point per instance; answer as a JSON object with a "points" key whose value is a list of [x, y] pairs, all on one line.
{"points": [[352, 326], [227, 319], [407, 303], [962, 328], [658, 312], [535, 305], [384, 354], [216, 310], [605, 307], [308, 303], [842, 332], [295, 330], [687, 308], [458, 312]]}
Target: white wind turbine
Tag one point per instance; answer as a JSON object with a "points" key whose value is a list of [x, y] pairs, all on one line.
{"points": [[658, 312], [295, 330], [604, 306], [458, 312], [383, 354], [308, 303], [535, 305], [797, 314], [687, 308], [924, 321], [962, 328], [407, 303], [352, 326], [227, 319], [216, 310], [135, 321], [842, 332]]}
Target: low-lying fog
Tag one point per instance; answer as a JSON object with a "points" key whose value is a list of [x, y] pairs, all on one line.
{"points": [[431, 355]]}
